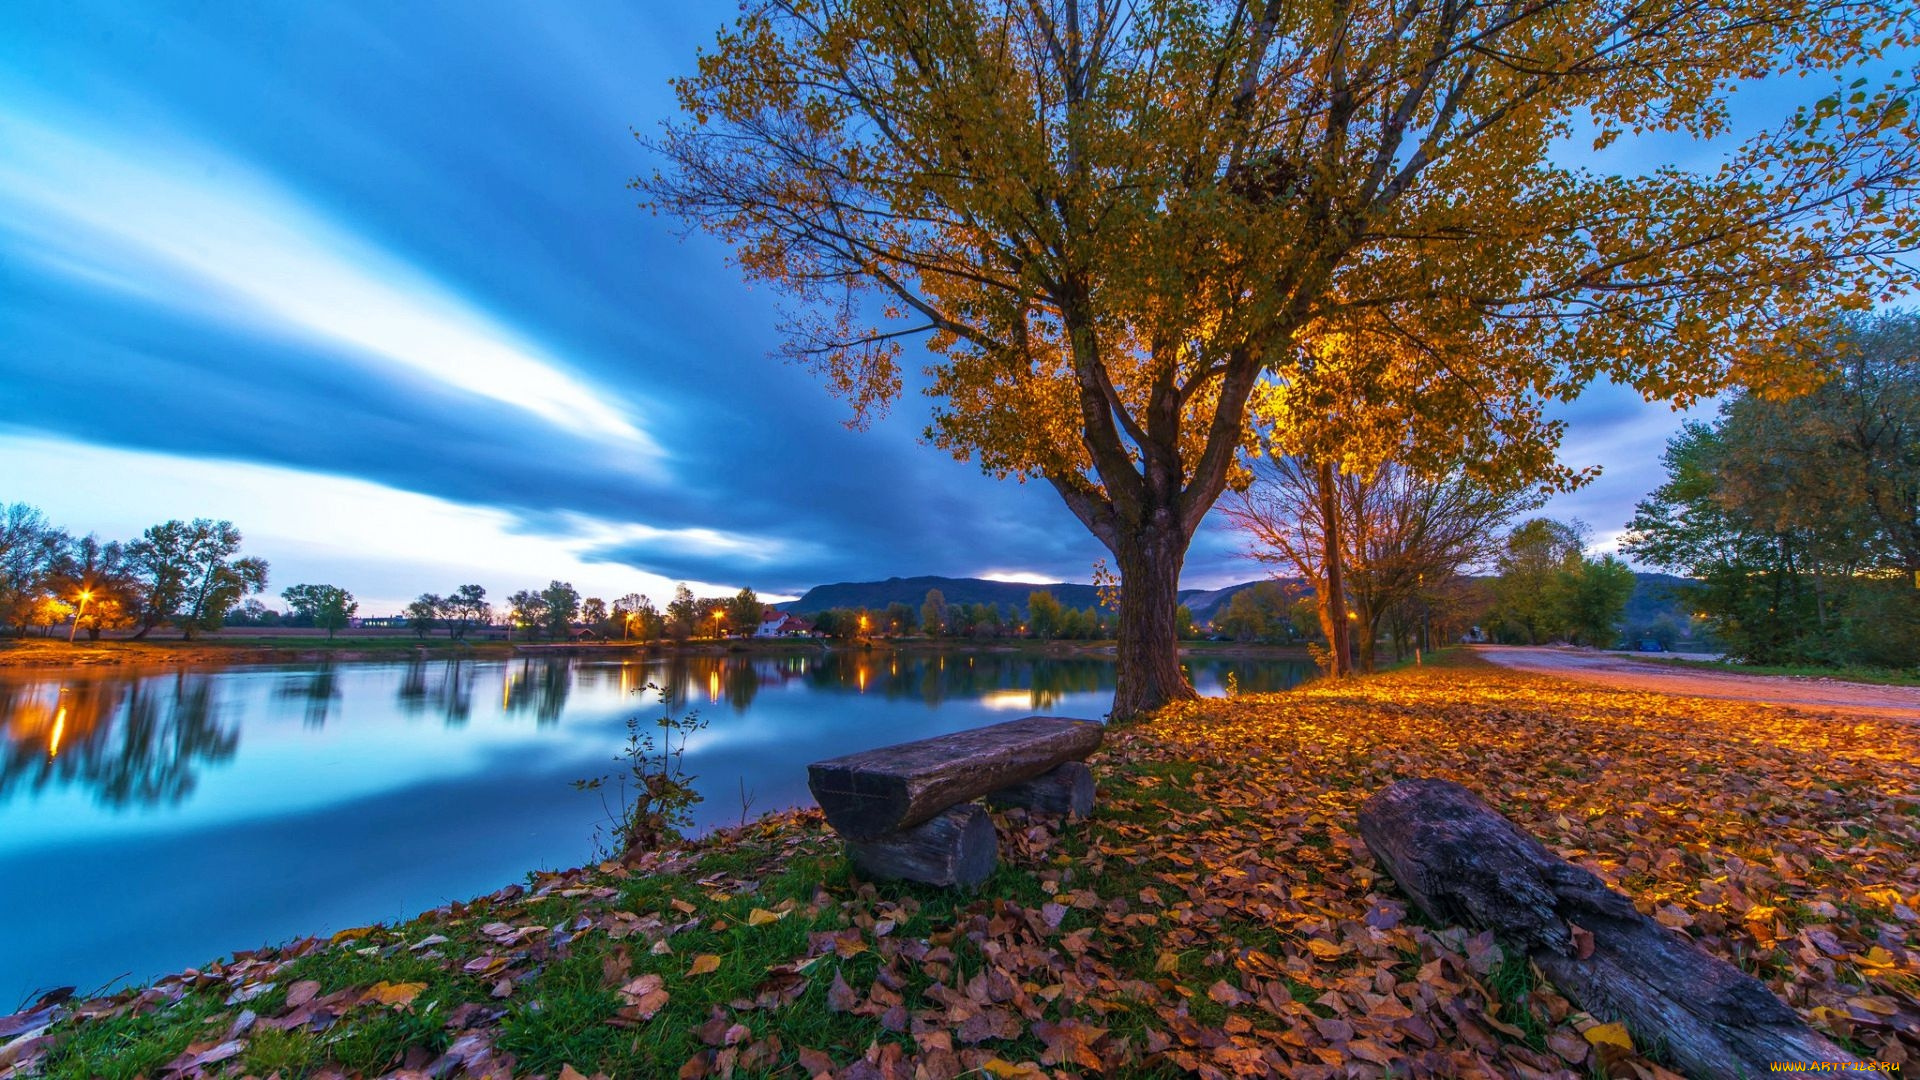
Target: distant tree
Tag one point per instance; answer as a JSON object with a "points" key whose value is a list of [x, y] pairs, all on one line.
{"points": [[1401, 533], [32, 555], [425, 613], [744, 612], [1595, 596], [593, 612], [251, 612], [1044, 615], [563, 608], [466, 607], [900, 618], [94, 581], [683, 613], [527, 611], [186, 572], [710, 616], [638, 618], [1256, 614], [1184, 625], [986, 621], [1534, 570], [933, 613], [329, 607]]}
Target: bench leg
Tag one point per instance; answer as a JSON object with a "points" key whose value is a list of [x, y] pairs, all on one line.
{"points": [[1067, 789], [957, 847]]}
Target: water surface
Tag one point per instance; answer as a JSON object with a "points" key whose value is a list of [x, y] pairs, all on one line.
{"points": [[153, 821]]}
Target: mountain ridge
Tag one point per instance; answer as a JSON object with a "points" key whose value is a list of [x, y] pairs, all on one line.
{"points": [[1652, 594]]}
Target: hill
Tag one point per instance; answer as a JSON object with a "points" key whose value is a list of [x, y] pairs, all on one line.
{"points": [[912, 591], [1654, 595]]}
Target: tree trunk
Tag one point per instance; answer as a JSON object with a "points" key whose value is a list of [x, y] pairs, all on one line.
{"points": [[1367, 634], [1149, 675], [1336, 599]]}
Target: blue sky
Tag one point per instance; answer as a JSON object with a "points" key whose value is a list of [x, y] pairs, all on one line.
{"points": [[366, 279]]}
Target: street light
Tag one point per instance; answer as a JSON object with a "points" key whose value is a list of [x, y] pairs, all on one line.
{"points": [[718, 616], [85, 595]]}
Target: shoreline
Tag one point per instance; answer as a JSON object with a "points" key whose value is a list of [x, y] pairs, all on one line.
{"points": [[52, 654]]}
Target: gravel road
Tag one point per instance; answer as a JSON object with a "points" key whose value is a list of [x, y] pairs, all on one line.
{"points": [[1612, 669]]}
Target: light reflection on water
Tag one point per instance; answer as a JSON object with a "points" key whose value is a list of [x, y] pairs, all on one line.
{"points": [[150, 821]]}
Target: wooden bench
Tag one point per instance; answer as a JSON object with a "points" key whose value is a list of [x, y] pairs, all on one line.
{"points": [[907, 811]]}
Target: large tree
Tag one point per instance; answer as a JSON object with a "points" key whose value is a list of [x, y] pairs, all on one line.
{"points": [[186, 572], [1115, 219]]}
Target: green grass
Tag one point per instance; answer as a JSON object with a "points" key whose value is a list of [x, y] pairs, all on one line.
{"points": [[1849, 673]]}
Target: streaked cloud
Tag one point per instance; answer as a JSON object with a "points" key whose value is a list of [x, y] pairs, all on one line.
{"points": [[384, 544], [182, 225]]}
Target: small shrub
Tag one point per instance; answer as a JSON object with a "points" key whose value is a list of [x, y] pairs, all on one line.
{"points": [[654, 793]]}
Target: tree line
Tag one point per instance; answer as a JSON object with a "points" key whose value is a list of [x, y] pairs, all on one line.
{"points": [[186, 574]]}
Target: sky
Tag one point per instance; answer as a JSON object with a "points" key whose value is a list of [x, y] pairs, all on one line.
{"points": [[367, 280]]}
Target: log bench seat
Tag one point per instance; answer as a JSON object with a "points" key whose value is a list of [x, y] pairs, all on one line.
{"points": [[908, 811]]}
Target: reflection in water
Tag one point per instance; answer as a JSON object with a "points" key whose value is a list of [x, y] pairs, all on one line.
{"points": [[316, 690], [138, 740], [1010, 680], [539, 686], [444, 687], [132, 741]]}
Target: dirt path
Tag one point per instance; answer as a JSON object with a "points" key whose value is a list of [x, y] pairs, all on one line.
{"points": [[1611, 669]]}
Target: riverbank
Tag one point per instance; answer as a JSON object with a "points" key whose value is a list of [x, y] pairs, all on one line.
{"points": [[235, 648], [1218, 915]]}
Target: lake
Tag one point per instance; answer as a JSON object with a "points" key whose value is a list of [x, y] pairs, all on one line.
{"points": [[152, 821]]}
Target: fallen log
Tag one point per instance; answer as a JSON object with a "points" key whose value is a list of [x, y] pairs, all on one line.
{"points": [[955, 848], [1462, 862], [870, 794]]}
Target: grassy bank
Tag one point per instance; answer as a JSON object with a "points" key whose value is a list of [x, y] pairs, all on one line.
{"points": [[1218, 916], [1850, 673]]}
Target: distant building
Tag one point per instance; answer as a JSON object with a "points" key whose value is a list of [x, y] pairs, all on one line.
{"points": [[781, 624]]}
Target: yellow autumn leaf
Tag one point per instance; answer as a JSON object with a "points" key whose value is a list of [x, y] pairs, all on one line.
{"points": [[761, 917], [1007, 1070], [704, 964], [1876, 959], [1610, 1035], [398, 995]]}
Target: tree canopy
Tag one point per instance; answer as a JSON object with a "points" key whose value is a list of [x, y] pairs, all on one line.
{"points": [[1115, 221], [1800, 519]]}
